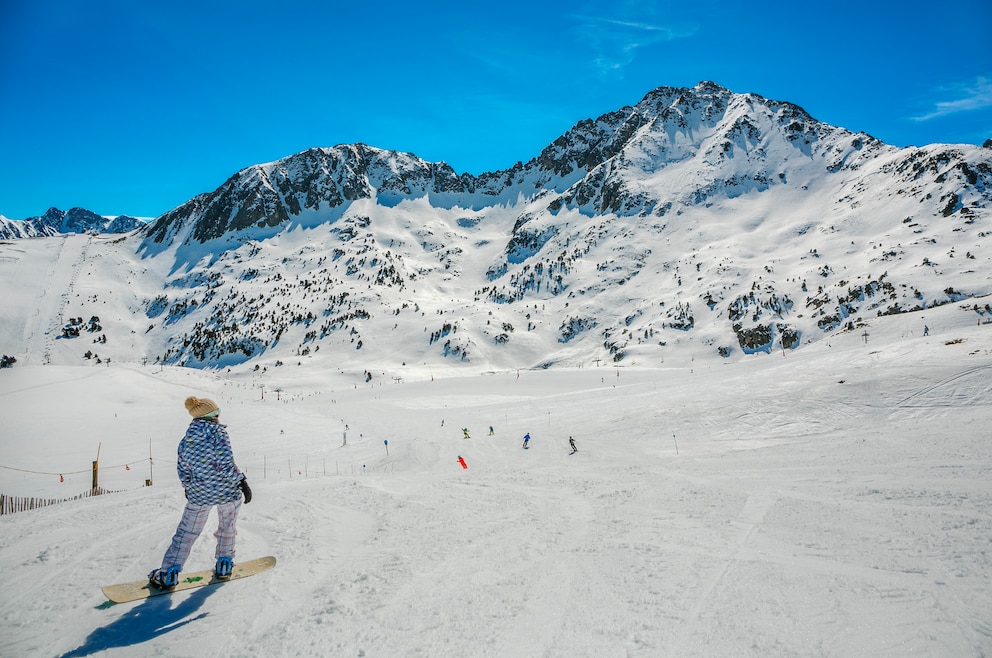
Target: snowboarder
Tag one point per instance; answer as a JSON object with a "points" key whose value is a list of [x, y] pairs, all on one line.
{"points": [[465, 433], [461, 461], [526, 441], [211, 479], [571, 442]]}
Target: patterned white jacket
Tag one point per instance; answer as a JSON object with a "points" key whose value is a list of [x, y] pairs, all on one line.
{"points": [[206, 464]]}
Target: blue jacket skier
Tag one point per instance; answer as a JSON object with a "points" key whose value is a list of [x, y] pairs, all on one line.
{"points": [[526, 440]]}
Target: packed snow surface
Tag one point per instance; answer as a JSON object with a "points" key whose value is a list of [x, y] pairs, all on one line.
{"points": [[834, 501]]}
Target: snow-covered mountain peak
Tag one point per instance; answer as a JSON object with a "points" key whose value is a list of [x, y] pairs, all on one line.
{"points": [[697, 220], [667, 126]]}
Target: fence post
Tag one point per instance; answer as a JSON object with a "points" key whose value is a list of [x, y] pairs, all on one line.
{"points": [[96, 469]]}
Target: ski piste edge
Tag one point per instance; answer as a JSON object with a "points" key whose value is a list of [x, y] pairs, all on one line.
{"points": [[140, 589]]}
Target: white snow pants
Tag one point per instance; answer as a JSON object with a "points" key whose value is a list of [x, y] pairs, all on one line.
{"points": [[191, 525]]}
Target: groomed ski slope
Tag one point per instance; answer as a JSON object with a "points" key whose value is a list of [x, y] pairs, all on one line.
{"points": [[835, 501]]}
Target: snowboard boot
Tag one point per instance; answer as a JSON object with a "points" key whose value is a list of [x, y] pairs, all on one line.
{"points": [[166, 579], [223, 569]]}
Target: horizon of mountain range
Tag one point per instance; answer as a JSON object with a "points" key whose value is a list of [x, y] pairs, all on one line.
{"points": [[81, 220], [696, 219], [57, 222]]}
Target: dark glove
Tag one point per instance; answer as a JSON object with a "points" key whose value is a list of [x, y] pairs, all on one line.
{"points": [[245, 489]]}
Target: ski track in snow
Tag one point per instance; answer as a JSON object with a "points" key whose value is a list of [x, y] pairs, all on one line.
{"points": [[835, 503]]}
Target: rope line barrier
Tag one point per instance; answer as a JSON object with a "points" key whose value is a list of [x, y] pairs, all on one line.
{"points": [[88, 470]]}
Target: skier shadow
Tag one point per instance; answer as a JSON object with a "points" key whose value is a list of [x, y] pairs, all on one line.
{"points": [[154, 617]]}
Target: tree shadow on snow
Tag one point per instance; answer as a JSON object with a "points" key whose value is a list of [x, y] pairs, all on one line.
{"points": [[150, 619]]}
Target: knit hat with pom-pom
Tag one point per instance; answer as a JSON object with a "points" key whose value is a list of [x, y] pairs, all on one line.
{"points": [[200, 407]]}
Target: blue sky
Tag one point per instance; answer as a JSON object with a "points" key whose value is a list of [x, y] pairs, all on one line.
{"points": [[125, 107]]}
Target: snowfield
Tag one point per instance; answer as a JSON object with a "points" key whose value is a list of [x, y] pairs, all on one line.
{"points": [[834, 501]]}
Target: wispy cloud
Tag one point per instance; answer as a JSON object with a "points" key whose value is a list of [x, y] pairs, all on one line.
{"points": [[615, 41], [966, 97]]}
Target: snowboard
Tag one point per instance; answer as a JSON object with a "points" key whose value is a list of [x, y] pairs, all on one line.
{"points": [[140, 589]]}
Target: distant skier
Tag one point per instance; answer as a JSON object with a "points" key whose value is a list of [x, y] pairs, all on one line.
{"points": [[465, 433], [571, 442], [926, 330], [526, 441], [461, 461], [491, 430], [210, 479]]}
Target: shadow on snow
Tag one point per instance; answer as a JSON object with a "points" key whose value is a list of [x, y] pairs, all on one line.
{"points": [[147, 621]]}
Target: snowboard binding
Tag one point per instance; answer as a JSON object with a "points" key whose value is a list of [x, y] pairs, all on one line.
{"points": [[164, 579], [223, 569]]}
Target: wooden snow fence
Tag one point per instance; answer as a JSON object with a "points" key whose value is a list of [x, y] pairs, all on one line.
{"points": [[12, 504]]}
